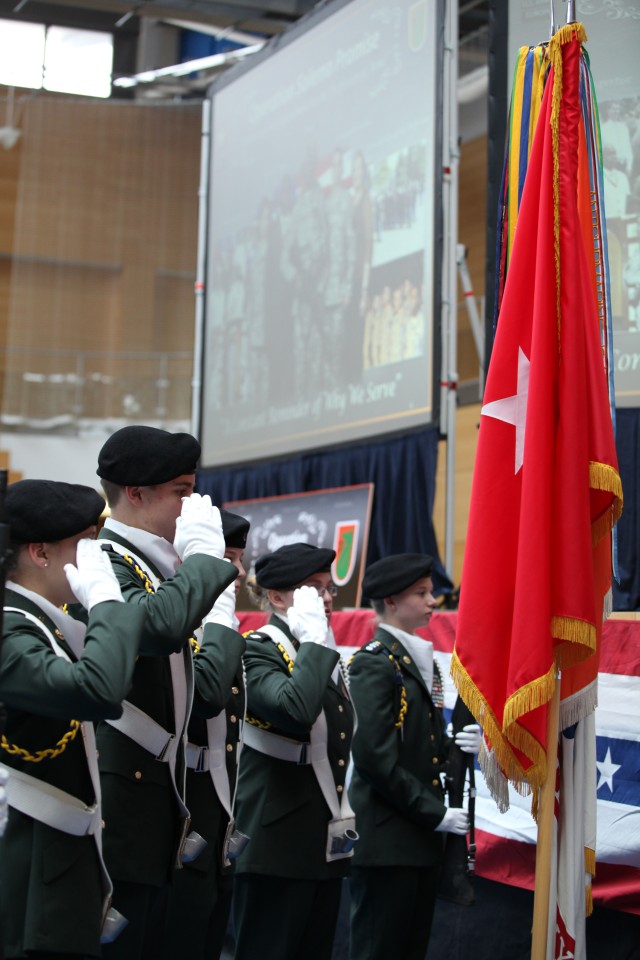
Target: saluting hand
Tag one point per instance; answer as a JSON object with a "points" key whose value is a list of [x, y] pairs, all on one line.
{"points": [[307, 618], [92, 579], [199, 528], [224, 609]]}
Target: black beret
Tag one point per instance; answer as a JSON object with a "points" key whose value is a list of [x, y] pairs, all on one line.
{"points": [[234, 528], [292, 564], [42, 511], [139, 456], [392, 575]]}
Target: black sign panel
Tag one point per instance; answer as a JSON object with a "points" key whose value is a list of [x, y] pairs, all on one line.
{"points": [[337, 518]]}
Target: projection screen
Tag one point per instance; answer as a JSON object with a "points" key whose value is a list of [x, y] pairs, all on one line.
{"points": [[321, 243]]}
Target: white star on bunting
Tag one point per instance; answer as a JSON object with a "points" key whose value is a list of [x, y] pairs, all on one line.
{"points": [[514, 409], [607, 769]]}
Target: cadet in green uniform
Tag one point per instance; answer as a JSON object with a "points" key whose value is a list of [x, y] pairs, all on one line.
{"points": [[399, 750], [166, 548], [292, 801], [56, 676], [200, 899]]}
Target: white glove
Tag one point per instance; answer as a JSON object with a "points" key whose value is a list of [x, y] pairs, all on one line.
{"points": [[199, 528], [307, 619], [4, 806], [469, 738], [455, 820], [92, 579], [224, 609]]}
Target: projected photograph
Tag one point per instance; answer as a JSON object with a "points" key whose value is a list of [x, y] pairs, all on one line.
{"points": [[319, 305]]}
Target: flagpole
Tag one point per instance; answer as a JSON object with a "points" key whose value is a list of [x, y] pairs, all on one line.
{"points": [[544, 846]]}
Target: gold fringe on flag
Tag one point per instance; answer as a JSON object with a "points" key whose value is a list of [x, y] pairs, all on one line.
{"points": [[573, 631], [588, 900], [590, 869], [504, 740], [529, 697], [590, 861]]}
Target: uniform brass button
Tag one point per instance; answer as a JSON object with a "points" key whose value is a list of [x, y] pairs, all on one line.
{"points": [[97, 754], [434, 759], [235, 691], [340, 708], [343, 735], [339, 788], [229, 747], [406, 659], [341, 763], [435, 783], [433, 737], [102, 824], [233, 718], [138, 775]]}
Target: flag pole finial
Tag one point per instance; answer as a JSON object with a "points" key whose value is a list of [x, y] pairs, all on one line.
{"points": [[571, 11]]}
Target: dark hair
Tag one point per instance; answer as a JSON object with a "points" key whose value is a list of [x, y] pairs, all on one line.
{"points": [[378, 606], [112, 491]]}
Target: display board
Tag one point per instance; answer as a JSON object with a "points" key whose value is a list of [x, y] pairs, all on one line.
{"points": [[323, 235], [337, 519]]}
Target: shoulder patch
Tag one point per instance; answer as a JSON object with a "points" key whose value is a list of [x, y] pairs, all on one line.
{"points": [[374, 646], [255, 635]]}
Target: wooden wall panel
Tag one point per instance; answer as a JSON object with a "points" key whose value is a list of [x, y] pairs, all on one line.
{"points": [[100, 189]]}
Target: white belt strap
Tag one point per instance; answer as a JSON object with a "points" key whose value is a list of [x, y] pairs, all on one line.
{"points": [[143, 729], [212, 758], [314, 753], [273, 745], [48, 804], [151, 736], [324, 774]]}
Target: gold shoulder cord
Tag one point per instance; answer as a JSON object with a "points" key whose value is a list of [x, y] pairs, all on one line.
{"points": [[403, 693], [404, 706], [49, 753], [148, 585]]}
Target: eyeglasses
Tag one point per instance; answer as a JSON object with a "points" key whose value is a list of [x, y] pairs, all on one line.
{"points": [[330, 590]]}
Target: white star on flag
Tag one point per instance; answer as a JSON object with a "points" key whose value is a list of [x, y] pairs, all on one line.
{"points": [[514, 409], [607, 769]]}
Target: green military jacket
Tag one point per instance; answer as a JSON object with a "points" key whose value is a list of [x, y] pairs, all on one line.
{"points": [[280, 804], [51, 896], [395, 788], [143, 824]]}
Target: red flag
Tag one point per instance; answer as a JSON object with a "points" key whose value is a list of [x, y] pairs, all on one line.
{"points": [[546, 489]]}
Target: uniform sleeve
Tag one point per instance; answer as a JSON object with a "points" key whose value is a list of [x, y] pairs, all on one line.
{"points": [[215, 666], [34, 679], [290, 701], [376, 754], [177, 607]]}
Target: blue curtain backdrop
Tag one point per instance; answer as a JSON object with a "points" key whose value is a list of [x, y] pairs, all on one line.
{"points": [[626, 594], [402, 469]]}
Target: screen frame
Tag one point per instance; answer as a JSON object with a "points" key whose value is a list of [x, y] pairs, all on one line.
{"points": [[307, 23]]}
